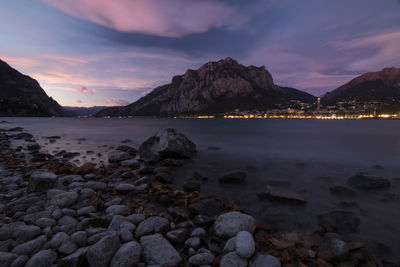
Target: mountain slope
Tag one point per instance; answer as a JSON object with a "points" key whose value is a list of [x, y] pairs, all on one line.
{"points": [[383, 86], [20, 95], [215, 87]]}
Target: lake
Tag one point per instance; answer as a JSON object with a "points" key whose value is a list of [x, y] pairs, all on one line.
{"points": [[303, 156]]}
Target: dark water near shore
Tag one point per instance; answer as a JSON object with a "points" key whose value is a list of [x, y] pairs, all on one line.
{"points": [[304, 156]]}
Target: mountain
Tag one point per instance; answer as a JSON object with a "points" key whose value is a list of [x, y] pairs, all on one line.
{"points": [[82, 111], [215, 87], [20, 95], [382, 86]]}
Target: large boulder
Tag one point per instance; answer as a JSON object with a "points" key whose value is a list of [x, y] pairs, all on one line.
{"points": [[43, 258], [158, 251], [167, 144], [42, 181], [118, 156], [365, 182], [231, 223]]}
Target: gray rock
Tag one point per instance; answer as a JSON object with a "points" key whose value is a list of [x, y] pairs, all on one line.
{"points": [[6, 259], [131, 163], [177, 236], [203, 258], [76, 259], [229, 224], [29, 247], [68, 246], [127, 255], [167, 144], [118, 156], [19, 231], [45, 222], [199, 232], [100, 254], [57, 239], [333, 250], [85, 210], [42, 181], [117, 221], [116, 209], [235, 177], [262, 260], [115, 201], [97, 186], [136, 218], [157, 250], [126, 235], [152, 225], [52, 192], [125, 188], [365, 182], [283, 196], [230, 245], [86, 193], [43, 258], [244, 244], [19, 262], [232, 259], [193, 242], [64, 199], [79, 238]]}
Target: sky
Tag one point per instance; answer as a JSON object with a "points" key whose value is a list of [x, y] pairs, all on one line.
{"points": [[104, 53]]}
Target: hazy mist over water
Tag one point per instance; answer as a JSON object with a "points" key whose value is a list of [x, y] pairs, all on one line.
{"points": [[304, 156]]}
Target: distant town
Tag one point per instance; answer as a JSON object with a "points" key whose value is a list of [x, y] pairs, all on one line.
{"points": [[296, 109]]}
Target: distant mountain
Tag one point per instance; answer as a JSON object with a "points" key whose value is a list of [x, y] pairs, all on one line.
{"points": [[215, 87], [20, 95], [382, 86], [82, 111]]}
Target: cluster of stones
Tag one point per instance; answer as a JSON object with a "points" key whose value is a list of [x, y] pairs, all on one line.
{"points": [[67, 219]]}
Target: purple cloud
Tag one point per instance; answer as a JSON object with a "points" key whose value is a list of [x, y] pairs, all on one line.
{"points": [[115, 102], [84, 90]]}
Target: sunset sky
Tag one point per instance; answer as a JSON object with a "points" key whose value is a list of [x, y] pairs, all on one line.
{"points": [[103, 52]]}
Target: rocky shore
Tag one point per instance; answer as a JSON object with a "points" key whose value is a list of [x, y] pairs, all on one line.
{"points": [[128, 213]]}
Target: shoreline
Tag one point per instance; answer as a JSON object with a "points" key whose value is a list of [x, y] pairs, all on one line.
{"points": [[144, 188]]}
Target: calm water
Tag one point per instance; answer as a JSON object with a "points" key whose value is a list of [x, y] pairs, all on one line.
{"points": [[305, 156]]}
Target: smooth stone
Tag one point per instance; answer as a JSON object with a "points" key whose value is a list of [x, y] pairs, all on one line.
{"points": [[131, 163], [193, 242], [68, 246], [64, 199], [26, 232], [45, 222], [100, 254], [86, 193], [42, 181], [76, 259], [231, 223], [199, 232], [207, 207], [151, 225], [118, 156], [244, 244], [85, 210], [127, 255], [125, 188], [6, 259], [230, 245], [263, 260], [116, 209], [136, 218], [97, 186], [29, 247], [57, 239], [53, 192], [79, 238], [43, 258], [157, 250], [20, 261], [232, 259], [235, 177], [283, 196], [201, 259], [177, 236]]}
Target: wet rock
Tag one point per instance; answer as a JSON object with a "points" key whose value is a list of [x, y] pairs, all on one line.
{"points": [[85, 210], [342, 222], [45, 222], [136, 218], [231, 223], [244, 244], [29, 247], [19, 231], [232, 259], [79, 238], [68, 246], [64, 199], [179, 213], [284, 196], [131, 163], [128, 149], [236, 177], [152, 225], [203, 258], [191, 186], [177, 236], [57, 240], [199, 232], [20, 261], [167, 144], [333, 250], [203, 220], [43, 258], [41, 181], [365, 182], [262, 260], [342, 191], [124, 188], [118, 156], [100, 254], [33, 147], [116, 209], [208, 207], [127, 255], [157, 250], [193, 242]]}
